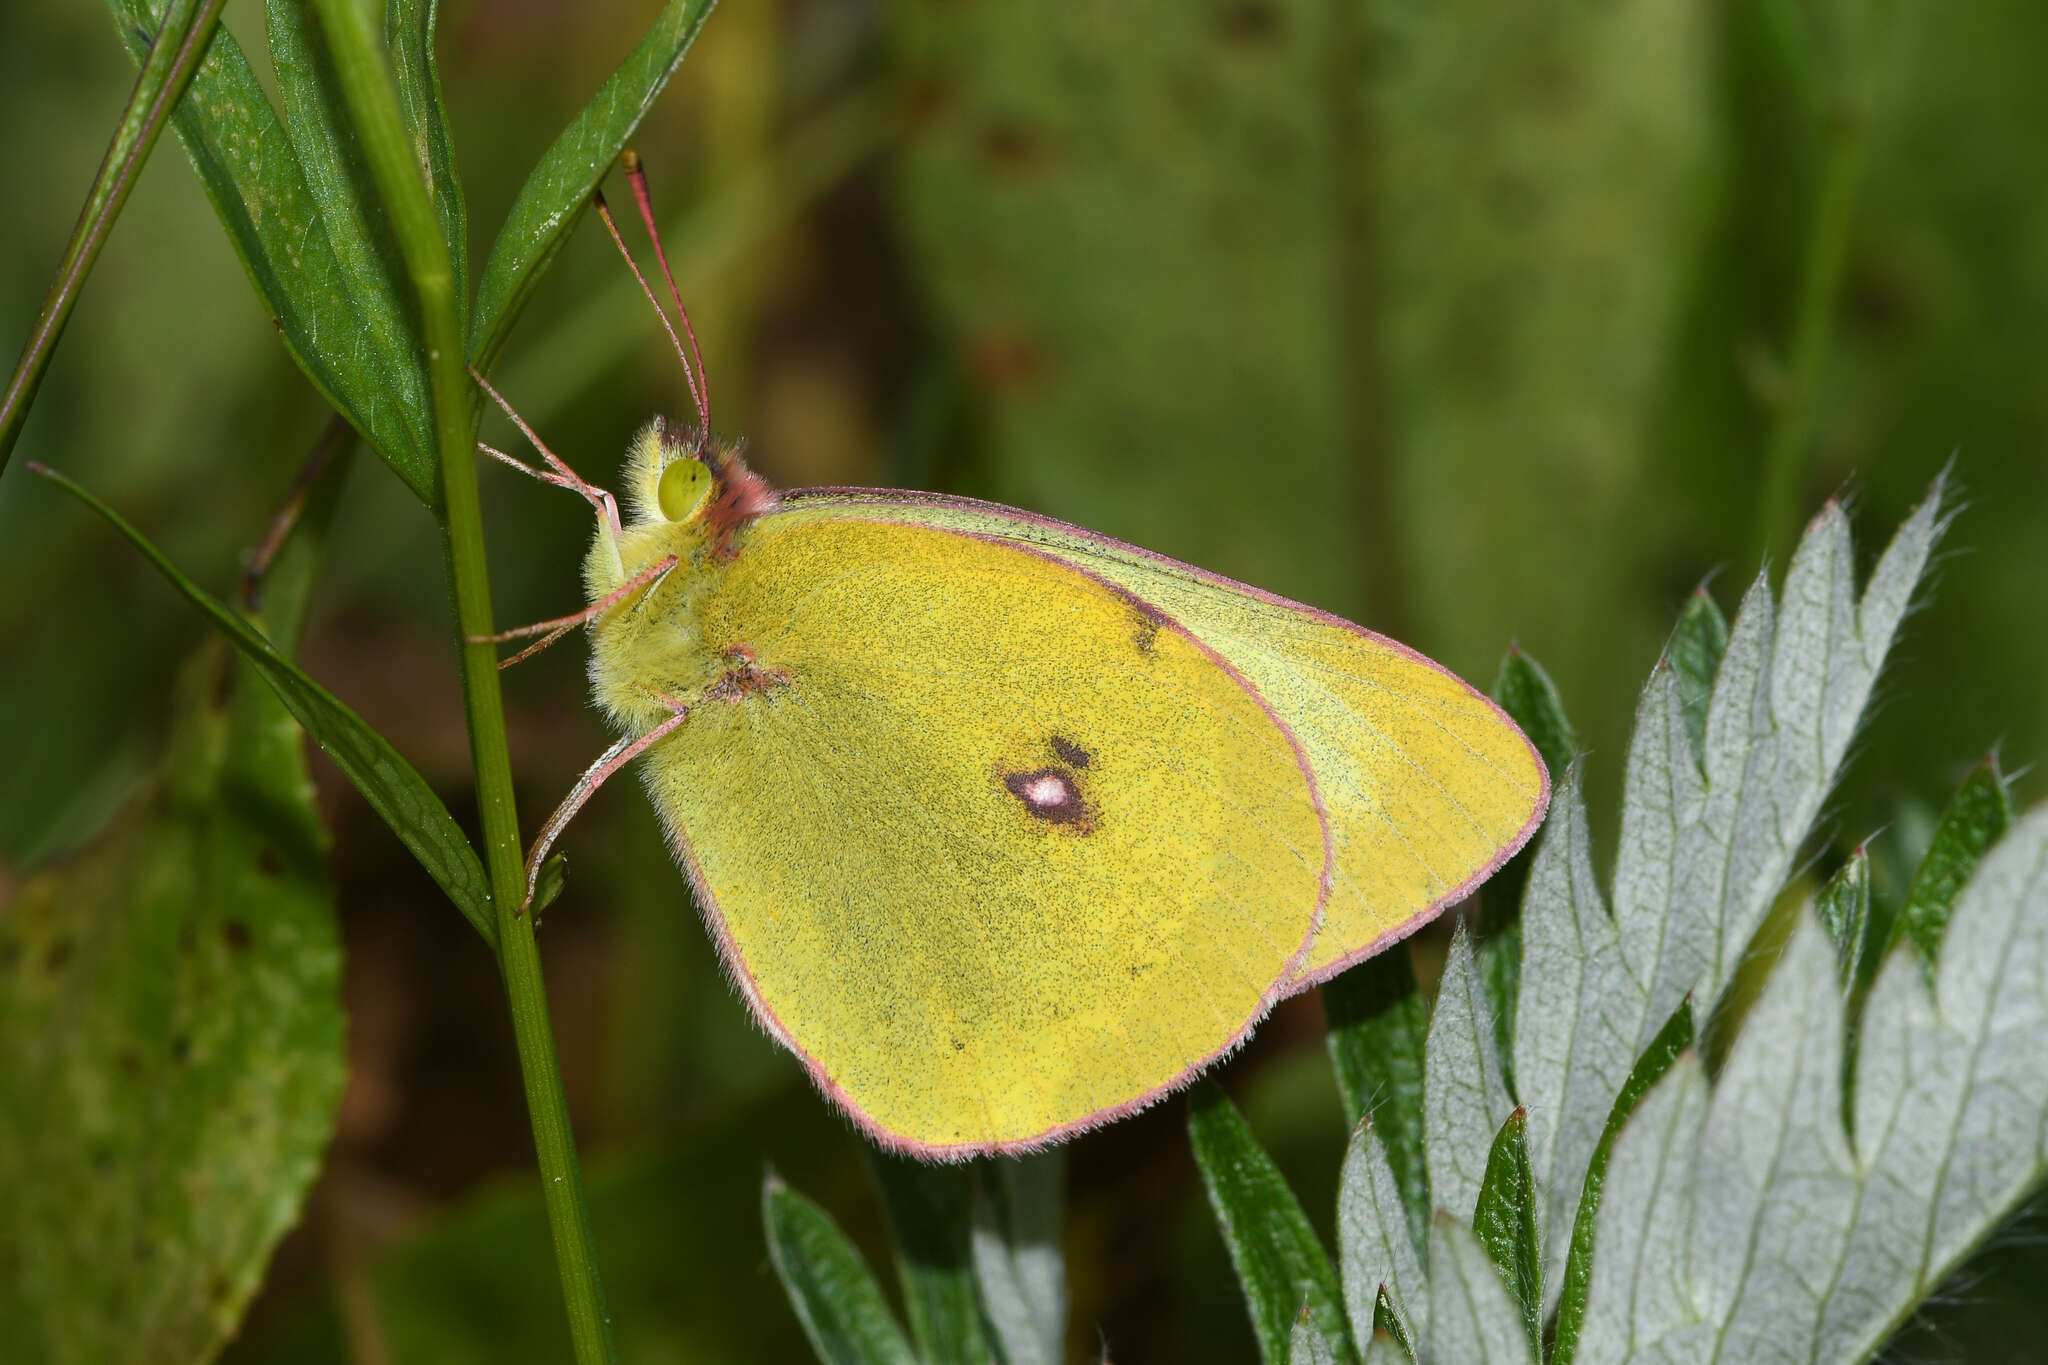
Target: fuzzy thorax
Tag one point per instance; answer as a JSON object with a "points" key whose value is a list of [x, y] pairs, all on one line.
{"points": [[649, 652]]}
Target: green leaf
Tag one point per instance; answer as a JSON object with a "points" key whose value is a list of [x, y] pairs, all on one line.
{"points": [[1310, 1344], [251, 173], [1464, 1100], [1378, 1028], [1844, 909], [1281, 1266], [170, 58], [1526, 693], [1017, 1262], [558, 190], [1694, 654], [1576, 1018], [1671, 1042], [929, 1208], [1505, 1223], [338, 179], [409, 29], [171, 1035], [1377, 1252], [1975, 818], [1471, 1318], [829, 1286], [392, 786]]}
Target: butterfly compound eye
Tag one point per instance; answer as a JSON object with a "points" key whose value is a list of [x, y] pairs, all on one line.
{"points": [[683, 487]]}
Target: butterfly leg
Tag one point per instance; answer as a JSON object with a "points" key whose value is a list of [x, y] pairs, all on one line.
{"points": [[554, 629], [558, 471], [608, 762]]}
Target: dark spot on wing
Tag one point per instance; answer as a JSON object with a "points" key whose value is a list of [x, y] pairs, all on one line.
{"points": [[959, 1046], [1052, 795], [1070, 751], [1146, 635], [744, 677]]}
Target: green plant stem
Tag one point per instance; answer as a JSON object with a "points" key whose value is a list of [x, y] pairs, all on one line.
{"points": [[1820, 286], [372, 98], [173, 56]]}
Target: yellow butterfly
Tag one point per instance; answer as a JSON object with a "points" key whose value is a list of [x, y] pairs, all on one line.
{"points": [[1003, 827]]}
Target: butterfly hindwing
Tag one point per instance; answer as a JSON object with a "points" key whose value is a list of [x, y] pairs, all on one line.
{"points": [[998, 847]]}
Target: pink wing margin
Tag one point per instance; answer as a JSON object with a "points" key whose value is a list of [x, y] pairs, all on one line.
{"points": [[797, 499], [1283, 985]]}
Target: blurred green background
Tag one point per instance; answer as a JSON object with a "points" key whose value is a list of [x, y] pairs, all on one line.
{"points": [[1483, 322]]}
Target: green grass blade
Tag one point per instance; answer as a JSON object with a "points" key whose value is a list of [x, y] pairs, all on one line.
{"points": [[1671, 1042], [1505, 1221], [409, 29], [167, 66], [557, 192], [339, 181], [392, 786], [929, 1210], [1975, 818], [250, 172], [1281, 1266], [1379, 1025], [834, 1295]]}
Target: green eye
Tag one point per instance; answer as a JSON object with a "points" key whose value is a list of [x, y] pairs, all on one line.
{"points": [[683, 486]]}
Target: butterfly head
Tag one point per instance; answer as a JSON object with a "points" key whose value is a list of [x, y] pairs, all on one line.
{"points": [[678, 480]]}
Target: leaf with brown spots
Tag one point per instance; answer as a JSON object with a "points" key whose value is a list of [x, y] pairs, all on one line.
{"points": [[170, 1031]]}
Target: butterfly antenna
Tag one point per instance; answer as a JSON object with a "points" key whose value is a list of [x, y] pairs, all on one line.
{"points": [[636, 176], [696, 391]]}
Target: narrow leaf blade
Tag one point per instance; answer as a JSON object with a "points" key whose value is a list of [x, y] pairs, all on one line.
{"points": [[1281, 1266], [1976, 817], [829, 1286], [1672, 1041], [1695, 654], [251, 173], [1505, 1221], [410, 27], [1464, 1098], [1378, 1030], [1472, 1318], [378, 296], [929, 1208], [558, 190], [1377, 1252], [1017, 1261], [168, 61], [392, 786]]}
